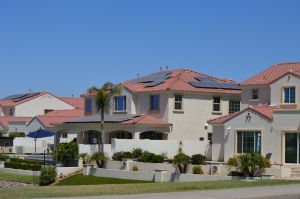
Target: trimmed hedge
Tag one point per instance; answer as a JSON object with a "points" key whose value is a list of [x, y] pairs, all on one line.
{"points": [[22, 166], [24, 161], [198, 159]]}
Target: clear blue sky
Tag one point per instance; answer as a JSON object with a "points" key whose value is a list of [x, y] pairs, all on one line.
{"points": [[67, 46]]}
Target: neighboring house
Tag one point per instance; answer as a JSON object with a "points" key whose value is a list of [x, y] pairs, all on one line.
{"points": [[269, 122], [167, 105], [6, 145], [13, 124]]}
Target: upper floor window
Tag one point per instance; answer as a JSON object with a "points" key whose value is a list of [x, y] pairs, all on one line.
{"points": [[88, 105], [48, 111], [154, 102], [234, 106], [178, 102], [289, 95], [11, 112], [217, 104], [255, 94], [120, 103]]}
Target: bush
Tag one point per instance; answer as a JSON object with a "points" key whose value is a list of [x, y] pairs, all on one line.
{"points": [[137, 153], [250, 164], [198, 159], [157, 159], [99, 158], [22, 166], [147, 156], [135, 168], [47, 176], [197, 170], [16, 134], [181, 161], [3, 157], [65, 152], [85, 158], [25, 161], [121, 155], [235, 173]]}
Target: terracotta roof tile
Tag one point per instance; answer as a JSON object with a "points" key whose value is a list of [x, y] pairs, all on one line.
{"points": [[146, 119], [73, 101], [273, 73], [4, 120], [264, 110]]}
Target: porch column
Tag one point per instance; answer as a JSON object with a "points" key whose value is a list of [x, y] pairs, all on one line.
{"points": [[80, 138], [136, 135]]}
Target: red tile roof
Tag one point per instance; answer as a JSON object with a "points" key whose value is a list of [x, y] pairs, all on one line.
{"points": [[146, 119], [264, 110], [273, 73], [58, 117], [73, 101], [4, 120], [179, 81]]}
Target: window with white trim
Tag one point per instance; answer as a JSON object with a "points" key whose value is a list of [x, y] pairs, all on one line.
{"points": [[154, 102], [289, 95], [255, 94], [217, 104], [120, 103], [178, 102], [234, 106], [248, 141]]}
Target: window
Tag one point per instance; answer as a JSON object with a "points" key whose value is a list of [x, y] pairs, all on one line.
{"points": [[154, 102], [255, 94], [48, 111], [64, 135], [217, 104], [248, 141], [88, 105], [11, 112], [178, 102], [234, 106], [120, 103], [289, 95], [209, 138]]}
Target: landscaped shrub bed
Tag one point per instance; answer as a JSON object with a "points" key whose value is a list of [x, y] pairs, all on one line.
{"points": [[23, 166], [141, 156], [3, 157], [17, 160], [198, 159]]}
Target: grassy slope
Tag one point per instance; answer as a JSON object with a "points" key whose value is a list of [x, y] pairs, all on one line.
{"points": [[18, 178], [92, 180], [93, 190]]}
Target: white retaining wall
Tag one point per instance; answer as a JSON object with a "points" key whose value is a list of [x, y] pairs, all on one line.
{"points": [[67, 170], [19, 171], [170, 147]]}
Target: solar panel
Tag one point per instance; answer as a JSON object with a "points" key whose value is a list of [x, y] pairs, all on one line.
{"points": [[205, 79], [20, 97], [215, 85], [153, 77], [12, 97], [152, 84]]}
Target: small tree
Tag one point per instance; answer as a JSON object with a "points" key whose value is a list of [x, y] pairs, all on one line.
{"points": [[249, 164], [99, 158], [181, 162], [65, 152]]}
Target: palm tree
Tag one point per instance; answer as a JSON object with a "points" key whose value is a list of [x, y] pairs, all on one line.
{"points": [[104, 95]]}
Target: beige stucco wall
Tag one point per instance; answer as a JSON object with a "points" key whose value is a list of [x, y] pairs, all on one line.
{"points": [[38, 105], [19, 127], [264, 95], [277, 88]]}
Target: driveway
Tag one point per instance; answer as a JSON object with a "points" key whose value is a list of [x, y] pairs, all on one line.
{"points": [[274, 192]]}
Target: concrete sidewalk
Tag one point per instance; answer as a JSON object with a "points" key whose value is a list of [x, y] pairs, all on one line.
{"points": [[278, 192]]}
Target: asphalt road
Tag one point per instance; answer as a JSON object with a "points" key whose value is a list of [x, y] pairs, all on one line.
{"points": [[274, 192]]}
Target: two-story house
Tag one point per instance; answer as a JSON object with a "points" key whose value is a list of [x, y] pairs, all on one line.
{"points": [[269, 121], [167, 105]]}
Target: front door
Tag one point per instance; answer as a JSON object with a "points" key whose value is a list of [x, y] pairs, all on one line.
{"points": [[292, 148]]}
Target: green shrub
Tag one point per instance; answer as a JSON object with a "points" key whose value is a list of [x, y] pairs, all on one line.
{"points": [[135, 168], [3, 157], [250, 164], [197, 170], [198, 159], [157, 159], [235, 173], [85, 158], [137, 153], [66, 152], [147, 156], [181, 161], [127, 155], [25, 161], [22, 166], [47, 176], [99, 158], [121, 155], [16, 134]]}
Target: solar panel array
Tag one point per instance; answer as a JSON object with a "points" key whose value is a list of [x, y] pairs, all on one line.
{"points": [[154, 79], [20, 97], [208, 82]]}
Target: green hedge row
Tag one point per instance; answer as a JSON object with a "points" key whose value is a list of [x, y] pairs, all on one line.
{"points": [[3, 157], [22, 166], [22, 161]]}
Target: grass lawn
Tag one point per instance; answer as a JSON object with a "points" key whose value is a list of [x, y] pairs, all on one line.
{"points": [[80, 179], [18, 178], [96, 190]]}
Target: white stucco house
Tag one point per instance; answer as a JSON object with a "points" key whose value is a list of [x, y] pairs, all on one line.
{"points": [[17, 110], [166, 106], [269, 121]]}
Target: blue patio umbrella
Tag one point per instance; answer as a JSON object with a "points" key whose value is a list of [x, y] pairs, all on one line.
{"points": [[41, 133]]}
